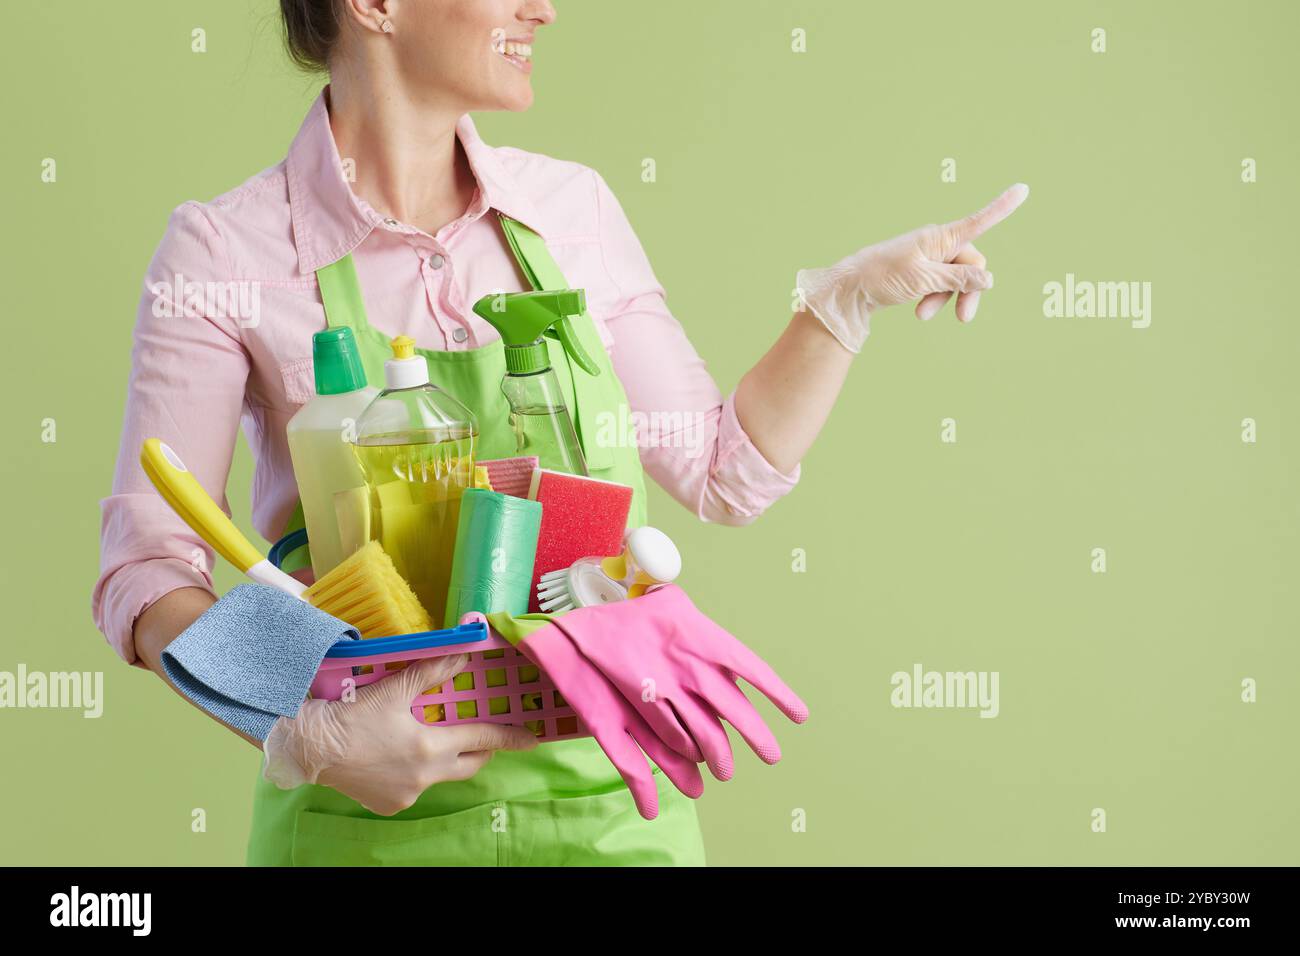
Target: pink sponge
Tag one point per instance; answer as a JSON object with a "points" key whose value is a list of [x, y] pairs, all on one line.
{"points": [[581, 517], [511, 476]]}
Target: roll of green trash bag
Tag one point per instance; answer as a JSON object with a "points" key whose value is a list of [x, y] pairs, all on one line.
{"points": [[492, 565]]}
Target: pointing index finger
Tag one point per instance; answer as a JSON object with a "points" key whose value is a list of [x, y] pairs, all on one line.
{"points": [[964, 230]]}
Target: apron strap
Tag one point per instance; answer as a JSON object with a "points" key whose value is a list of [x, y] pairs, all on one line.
{"points": [[542, 273], [340, 293], [299, 557]]}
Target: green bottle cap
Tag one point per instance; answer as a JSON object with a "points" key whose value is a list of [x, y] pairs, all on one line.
{"points": [[525, 359], [338, 362]]}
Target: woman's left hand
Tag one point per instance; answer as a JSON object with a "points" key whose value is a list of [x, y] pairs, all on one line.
{"points": [[929, 264]]}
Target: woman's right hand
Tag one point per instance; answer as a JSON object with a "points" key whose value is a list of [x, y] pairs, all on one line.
{"points": [[373, 750]]}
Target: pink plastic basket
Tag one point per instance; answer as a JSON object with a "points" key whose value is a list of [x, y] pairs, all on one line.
{"points": [[499, 686]]}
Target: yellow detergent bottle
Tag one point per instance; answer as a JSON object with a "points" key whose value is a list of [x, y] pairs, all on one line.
{"points": [[416, 445]]}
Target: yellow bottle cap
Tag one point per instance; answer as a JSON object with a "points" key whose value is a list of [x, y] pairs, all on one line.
{"points": [[403, 347]]}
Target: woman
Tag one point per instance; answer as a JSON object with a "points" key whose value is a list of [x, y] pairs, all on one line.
{"points": [[388, 184]]}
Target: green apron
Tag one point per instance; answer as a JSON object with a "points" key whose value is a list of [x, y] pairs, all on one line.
{"points": [[560, 804]]}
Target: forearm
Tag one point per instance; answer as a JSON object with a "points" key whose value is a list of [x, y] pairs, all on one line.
{"points": [[161, 623], [785, 399]]}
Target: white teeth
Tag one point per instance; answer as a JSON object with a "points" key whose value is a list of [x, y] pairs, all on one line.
{"points": [[522, 50]]}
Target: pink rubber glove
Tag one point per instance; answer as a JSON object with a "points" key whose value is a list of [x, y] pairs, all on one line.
{"points": [[621, 732], [678, 669]]}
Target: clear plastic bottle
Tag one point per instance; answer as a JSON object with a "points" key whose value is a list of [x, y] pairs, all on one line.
{"points": [[416, 446], [329, 478], [541, 423], [539, 416]]}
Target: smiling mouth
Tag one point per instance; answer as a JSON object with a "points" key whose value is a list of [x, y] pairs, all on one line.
{"points": [[517, 53]]}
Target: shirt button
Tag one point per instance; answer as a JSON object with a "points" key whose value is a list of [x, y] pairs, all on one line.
{"points": [[435, 261], [390, 222], [459, 335]]}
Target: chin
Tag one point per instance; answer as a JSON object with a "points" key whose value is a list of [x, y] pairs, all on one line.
{"points": [[518, 101]]}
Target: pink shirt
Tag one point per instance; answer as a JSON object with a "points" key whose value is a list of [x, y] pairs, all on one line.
{"points": [[223, 336]]}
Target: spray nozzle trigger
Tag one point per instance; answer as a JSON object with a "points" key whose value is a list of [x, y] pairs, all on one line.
{"points": [[523, 318]]}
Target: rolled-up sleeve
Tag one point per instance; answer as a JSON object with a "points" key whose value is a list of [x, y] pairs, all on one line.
{"points": [[691, 441], [188, 374]]}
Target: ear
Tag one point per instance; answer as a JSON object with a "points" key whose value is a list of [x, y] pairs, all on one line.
{"points": [[370, 14]]}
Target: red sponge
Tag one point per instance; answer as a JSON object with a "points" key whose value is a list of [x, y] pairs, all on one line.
{"points": [[581, 517]]}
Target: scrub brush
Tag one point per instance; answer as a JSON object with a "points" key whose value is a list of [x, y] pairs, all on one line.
{"points": [[365, 590], [649, 558]]}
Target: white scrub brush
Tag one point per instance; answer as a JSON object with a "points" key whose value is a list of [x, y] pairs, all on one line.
{"points": [[649, 558]]}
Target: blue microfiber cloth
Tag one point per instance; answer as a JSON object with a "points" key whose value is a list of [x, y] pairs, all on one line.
{"points": [[250, 658]]}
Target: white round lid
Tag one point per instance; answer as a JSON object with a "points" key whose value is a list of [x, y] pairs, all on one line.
{"points": [[654, 553]]}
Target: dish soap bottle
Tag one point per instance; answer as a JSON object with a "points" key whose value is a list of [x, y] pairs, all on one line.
{"points": [[415, 444], [538, 414], [324, 466]]}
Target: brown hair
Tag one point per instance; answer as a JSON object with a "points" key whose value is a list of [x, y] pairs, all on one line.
{"points": [[311, 28]]}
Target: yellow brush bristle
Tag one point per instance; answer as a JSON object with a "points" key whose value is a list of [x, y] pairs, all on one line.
{"points": [[367, 592]]}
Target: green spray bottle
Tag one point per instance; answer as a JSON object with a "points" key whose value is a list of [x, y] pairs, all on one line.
{"points": [[538, 414]]}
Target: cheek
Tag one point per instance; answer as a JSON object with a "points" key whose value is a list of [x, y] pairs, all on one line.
{"points": [[456, 54], [454, 65], [448, 36], [470, 57]]}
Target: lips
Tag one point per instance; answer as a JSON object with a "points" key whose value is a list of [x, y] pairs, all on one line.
{"points": [[517, 52]]}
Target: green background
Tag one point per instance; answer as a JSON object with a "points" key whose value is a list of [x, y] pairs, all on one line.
{"points": [[1118, 690]]}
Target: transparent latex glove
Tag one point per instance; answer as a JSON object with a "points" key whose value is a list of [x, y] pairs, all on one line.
{"points": [[374, 750], [929, 264]]}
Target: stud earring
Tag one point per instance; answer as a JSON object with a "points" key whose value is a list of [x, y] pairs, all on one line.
{"points": [[386, 26]]}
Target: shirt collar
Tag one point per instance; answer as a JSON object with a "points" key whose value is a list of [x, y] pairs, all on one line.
{"points": [[329, 221]]}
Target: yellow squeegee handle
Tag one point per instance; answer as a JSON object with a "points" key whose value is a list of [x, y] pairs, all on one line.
{"points": [[194, 505]]}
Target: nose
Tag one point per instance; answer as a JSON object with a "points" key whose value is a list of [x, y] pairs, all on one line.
{"points": [[540, 12]]}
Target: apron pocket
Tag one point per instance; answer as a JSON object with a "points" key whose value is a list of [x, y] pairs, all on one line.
{"points": [[464, 838], [603, 829], [594, 829]]}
